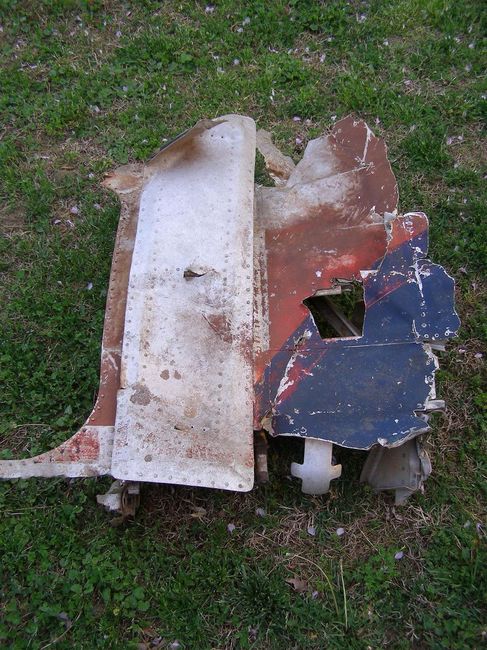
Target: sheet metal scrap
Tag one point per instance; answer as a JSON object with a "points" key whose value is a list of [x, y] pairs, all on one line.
{"points": [[208, 333]]}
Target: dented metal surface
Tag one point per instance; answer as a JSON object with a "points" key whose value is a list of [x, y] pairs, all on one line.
{"points": [[208, 333]]}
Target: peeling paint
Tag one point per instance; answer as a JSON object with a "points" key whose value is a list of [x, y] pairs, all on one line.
{"points": [[206, 334]]}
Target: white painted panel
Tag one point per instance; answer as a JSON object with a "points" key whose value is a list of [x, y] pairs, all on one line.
{"points": [[184, 412]]}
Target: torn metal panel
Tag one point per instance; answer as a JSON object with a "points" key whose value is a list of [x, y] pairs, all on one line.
{"points": [[208, 333], [392, 359], [334, 389], [184, 408], [324, 224], [335, 221]]}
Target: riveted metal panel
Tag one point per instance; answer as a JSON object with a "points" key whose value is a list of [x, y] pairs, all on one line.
{"points": [[184, 409]]}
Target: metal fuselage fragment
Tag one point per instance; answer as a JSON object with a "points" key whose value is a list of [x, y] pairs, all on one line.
{"points": [[206, 320]]}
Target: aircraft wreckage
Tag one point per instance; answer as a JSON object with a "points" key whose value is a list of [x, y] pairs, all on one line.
{"points": [[218, 317]]}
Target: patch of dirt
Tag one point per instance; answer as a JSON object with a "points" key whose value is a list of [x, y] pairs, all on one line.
{"points": [[12, 220]]}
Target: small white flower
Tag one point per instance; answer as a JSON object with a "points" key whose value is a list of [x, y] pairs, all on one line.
{"points": [[311, 531], [74, 209], [246, 21], [399, 555], [89, 286], [340, 531], [260, 512], [231, 528]]}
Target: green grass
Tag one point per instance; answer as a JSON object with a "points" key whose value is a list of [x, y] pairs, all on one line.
{"points": [[85, 86]]}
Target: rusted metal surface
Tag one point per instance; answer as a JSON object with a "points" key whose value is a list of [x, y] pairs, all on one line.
{"points": [[89, 451], [207, 317], [336, 220], [184, 408]]}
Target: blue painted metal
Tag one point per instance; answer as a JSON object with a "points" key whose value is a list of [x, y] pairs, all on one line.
{"points": [[360, 391]]}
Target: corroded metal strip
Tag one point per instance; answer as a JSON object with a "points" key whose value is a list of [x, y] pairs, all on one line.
{"points": [[88, 452]]}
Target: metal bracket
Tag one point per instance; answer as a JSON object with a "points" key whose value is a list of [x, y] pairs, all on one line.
{"points": [[317, 469], [122, 497], [402, 469]]}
